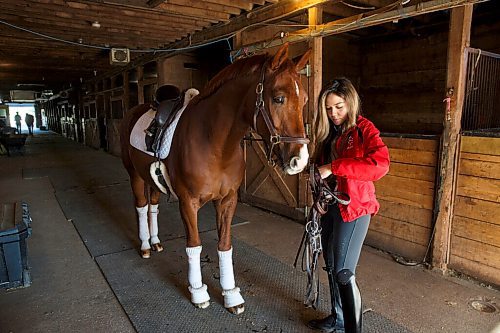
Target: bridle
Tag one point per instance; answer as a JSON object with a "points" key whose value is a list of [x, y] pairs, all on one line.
{"points": [[274, 137]]}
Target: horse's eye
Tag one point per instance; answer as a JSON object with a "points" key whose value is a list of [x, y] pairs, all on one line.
{"points": [[279, 99]]}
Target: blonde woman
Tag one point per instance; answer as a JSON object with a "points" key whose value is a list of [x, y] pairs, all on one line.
{"points": [[350, 155]]}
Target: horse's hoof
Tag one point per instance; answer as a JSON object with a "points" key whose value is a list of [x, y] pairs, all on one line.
{"points": [[146, 254], [236, 310], [157, 247], [203, 305]]}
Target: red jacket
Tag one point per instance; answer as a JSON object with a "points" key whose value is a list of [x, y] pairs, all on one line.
{"points": [[362, 159]]}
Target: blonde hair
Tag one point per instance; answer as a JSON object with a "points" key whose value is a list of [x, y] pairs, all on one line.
{"points": [[343, 88]]}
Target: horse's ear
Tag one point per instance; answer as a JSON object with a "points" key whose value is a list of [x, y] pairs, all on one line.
{"points": [[303, 61], [280, 57]]}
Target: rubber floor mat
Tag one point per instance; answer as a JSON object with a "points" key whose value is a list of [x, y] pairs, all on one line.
{"points": [[154, 292]]}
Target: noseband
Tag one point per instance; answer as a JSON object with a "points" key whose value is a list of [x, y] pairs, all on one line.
{"points": [[274, 137]]}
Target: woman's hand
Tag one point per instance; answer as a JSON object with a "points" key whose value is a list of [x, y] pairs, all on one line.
{"points": [[325, 171]]}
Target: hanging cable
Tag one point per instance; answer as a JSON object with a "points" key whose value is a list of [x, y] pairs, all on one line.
{"points": [[108, 47]]}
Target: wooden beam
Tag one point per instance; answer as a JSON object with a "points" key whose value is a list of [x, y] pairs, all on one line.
{"points": [[458, 40], [368, 19], [316, 63], [265, 14], [155, 3]]}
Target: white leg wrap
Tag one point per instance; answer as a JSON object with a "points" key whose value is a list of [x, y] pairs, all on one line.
{"points": [[142, 212], [197, 289], [153, 224], [231, 293]]}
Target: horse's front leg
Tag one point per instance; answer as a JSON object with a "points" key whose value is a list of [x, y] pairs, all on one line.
{"points": [[198, 290], [233, 301], [153, 220]]}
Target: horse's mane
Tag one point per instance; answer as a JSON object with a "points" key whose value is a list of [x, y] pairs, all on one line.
{"points": [[239, 68]]}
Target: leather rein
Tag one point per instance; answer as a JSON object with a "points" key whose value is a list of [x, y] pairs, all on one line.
{"points": [[260, 108], [323, 196]]}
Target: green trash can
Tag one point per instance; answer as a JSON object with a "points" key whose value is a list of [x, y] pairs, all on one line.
{"points": [[15, 228]]}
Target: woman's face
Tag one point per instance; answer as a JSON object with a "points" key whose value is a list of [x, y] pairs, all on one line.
{"points": [[336, 108]]}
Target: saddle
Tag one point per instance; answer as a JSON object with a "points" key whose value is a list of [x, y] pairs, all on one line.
{"points": [[168, 100]]}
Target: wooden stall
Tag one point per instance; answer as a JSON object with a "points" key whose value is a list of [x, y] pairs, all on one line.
{"points": [[475, 230], [406, 195], [432, 209]]}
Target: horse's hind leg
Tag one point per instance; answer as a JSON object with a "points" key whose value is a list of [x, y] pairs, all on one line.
{"points": [[141, 206], [153, 220], [198, 290], [233, 301]]}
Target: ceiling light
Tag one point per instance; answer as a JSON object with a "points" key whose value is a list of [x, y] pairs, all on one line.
{"points": [[96, 24]]}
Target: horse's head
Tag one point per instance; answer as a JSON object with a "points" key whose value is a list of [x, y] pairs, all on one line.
{"points": [[281, 99]]}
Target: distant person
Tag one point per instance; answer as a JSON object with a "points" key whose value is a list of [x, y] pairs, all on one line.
{"points": [[29, 119], [17, 118]]}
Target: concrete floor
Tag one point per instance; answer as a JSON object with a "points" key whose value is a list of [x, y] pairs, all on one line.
{"points": [[70, 293]]}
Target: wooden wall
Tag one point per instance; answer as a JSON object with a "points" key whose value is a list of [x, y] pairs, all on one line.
{"points": [[179, 71], [403, 82], [341, 57], [406, 195], [105, 101], [475, 232]]}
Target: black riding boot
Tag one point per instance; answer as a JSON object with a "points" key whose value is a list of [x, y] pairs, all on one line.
{"points": [[335, 321], [351, 301]]}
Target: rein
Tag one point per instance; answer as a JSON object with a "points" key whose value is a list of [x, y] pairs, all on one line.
{"points": [[274, 137], [323, 196]]}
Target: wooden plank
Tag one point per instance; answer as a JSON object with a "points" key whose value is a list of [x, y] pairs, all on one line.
{"points": [[395, 245], [413, 156], [406, 213], [476, 270], [257, 182], [402, 230], [406, 198], [421, 172], [479, 188], [479, 168], [405, 185], [479, 231], [481, 145], [276, 176], [480, 157], [459, 39], [477, 209], [475, 251]]}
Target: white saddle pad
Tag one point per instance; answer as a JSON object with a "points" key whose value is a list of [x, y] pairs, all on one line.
{"points": [[137, 137]]}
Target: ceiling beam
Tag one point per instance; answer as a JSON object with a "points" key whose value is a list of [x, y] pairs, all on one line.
{"points": [[155, 3], [276, 11], [372, 18]]}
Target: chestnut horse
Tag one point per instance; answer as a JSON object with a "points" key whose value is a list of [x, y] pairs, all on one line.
{"points": [[206, 161]]}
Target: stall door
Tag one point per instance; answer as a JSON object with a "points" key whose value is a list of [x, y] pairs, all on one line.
{"points": [[268, 187]]}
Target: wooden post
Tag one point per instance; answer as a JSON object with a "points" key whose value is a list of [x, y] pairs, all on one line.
{"points": [[237, 40], [315, 82], [316, 63], [458, 40]]}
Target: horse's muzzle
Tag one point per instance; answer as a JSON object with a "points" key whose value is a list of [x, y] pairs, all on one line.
{"points": [[298, 163]]}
